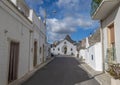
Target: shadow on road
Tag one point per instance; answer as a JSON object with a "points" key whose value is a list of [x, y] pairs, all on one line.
{"points": [[61, 71]]}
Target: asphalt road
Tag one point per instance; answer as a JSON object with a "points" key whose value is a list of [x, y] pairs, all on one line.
{"points": [[61, 71]]}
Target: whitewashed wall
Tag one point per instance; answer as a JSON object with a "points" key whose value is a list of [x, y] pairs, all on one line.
{"points": [[17, 31], [14, 26], [82, 53], [94, 56], [117, 34], [68, 45]]}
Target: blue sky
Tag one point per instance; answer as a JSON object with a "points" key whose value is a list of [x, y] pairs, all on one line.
{"points": [[72, 17]]}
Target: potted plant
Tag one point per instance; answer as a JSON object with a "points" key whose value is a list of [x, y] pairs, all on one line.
{"points": [[114, 71]]}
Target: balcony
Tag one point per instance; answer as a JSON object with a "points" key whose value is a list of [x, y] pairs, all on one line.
{"points": [[101, 8]]}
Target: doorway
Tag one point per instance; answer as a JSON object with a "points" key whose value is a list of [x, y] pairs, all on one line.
{"points": [[13, 61], [43, 53], [65, 50], [35, 54], [111, 44]]}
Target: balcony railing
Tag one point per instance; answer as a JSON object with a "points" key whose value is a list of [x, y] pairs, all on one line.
{"points": [[111, 55], [94, 5]]}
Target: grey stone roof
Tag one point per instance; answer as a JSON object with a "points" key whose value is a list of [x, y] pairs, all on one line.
{"points": [[69, 39], [94, 38]]}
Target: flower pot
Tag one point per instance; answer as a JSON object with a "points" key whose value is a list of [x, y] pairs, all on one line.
{"points": [[115, 81]]}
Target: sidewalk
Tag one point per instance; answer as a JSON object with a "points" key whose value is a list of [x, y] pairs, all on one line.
{"points": [[29, 74], [102, 78]]}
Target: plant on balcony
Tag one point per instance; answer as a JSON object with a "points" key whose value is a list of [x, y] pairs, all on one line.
{"points": [[94, 5], [114, 71], [97, 1]]}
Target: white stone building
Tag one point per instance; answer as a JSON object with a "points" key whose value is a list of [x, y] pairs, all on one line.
{"points": [[108, 12], [91, 51], [65, 47], [22, 40]]}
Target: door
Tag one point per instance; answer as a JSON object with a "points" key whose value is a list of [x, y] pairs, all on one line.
{"points": [[35, 54], [13, 61], [43, 53], [111, 44], [65, 50]]}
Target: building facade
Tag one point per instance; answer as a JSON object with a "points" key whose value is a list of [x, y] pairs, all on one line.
{"points": [[22, 39], [91, 51], [64, 47], [108, 12]]}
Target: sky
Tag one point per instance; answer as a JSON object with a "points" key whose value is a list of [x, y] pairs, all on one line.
{"points": [[65, 17]]}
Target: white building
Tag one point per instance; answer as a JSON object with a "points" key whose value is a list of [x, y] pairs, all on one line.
{"points": [[38, 40], [108, 12], [91, 51], [65, 47], [22, 40]]}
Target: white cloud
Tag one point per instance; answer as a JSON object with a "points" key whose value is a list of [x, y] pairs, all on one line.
{"points": [[57, 29], [69, 3], [42, 12]]}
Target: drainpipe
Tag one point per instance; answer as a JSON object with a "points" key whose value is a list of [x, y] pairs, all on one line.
{"points": [[102, 40]]}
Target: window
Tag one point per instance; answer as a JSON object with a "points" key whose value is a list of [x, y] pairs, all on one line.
{"points": [[71, 49], [92, 57], [64, 42], [58, 49], [40, 50], [72, 53], [53, 49]]}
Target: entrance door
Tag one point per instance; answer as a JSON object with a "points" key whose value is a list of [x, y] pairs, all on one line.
{"points": [[43, 54], [65, 50], [13, 61], [111, 43], [35, 54]]}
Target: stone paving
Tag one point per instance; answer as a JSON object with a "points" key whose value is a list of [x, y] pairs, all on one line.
{"points": [[62, 71]]}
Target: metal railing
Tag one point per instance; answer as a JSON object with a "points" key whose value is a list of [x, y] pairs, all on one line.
{"points": [[94, 5]]}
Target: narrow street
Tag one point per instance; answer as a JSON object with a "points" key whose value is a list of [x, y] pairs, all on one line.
{"points": [[61, 71]]}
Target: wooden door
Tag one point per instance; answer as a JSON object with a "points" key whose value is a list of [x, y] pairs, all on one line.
{"points": [[13, 61], [43, 53], [35, 54]]}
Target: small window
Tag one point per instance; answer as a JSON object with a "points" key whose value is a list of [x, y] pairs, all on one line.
{"points": [[92, 57], [58, 49], [64, 42], [40, 50], [71, 49], [72, 53], [53, 49]]}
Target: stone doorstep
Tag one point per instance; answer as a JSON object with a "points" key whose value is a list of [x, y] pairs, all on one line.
{"points": [[102, 78], [29, 74]]}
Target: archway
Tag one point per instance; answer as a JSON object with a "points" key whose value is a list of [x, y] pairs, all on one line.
{"points": [[65, 50]]}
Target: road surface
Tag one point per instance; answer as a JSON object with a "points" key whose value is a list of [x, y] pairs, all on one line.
{"points": [[63, 70]]}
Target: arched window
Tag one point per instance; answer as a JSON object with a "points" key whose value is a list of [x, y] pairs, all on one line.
{"points": [[64, 42], [58, 49]]}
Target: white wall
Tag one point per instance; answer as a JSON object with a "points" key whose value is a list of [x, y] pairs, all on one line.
{"points": [[117, 34], [61, 45], [16, 31], [94, 57], [82, 53]]}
